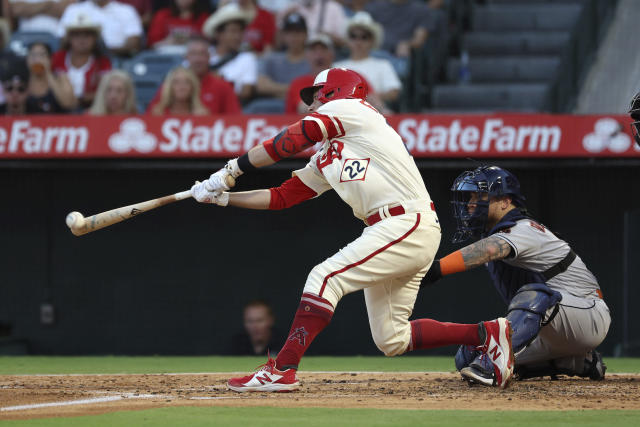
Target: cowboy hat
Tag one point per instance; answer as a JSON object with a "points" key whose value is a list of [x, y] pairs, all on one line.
{"points": [[365, 21]]}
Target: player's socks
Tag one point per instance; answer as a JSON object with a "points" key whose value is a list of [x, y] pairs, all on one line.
{"points": [[429, 333], [312, 316]]}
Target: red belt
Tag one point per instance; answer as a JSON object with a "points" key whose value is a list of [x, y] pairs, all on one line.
{"points": [[394, 211]]}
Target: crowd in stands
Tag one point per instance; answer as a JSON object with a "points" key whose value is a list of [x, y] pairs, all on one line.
{"points": [[222, 56]]}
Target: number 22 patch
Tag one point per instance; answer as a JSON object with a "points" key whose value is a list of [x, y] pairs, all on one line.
{"points": [[354, 170]]}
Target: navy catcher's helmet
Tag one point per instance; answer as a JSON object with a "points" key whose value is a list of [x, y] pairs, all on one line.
{"points": [[634, 111], [468, 186]]}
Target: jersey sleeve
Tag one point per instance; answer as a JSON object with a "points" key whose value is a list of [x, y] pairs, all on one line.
{"points": [[292, 192], [336, 118], [311, 176], [524, 237]]}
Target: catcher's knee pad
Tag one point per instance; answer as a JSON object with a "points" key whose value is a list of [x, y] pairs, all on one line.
{"points": [[527, 312], [465, 355]]}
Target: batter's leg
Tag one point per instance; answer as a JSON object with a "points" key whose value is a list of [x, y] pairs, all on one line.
{"points": [[389, 306], [381, 253]]}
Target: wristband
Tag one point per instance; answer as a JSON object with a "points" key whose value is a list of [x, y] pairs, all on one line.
{"points": [[243, 164], [452, 263]]}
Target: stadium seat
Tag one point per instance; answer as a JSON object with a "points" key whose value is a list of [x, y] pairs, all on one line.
{"points": [[518, 43], [152, 64], [145, 88], [525, 17], [491, 97], [148, 70], [20, 41], [506, 69]]}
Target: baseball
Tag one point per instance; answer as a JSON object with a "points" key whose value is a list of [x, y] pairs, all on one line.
{"points": [[74, 219]]}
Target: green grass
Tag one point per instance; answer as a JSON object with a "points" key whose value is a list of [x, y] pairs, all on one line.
{"points": [[17, 365], [311, 417]]}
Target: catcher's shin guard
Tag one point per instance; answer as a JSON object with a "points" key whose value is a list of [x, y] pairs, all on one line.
{"points": [[528, 310]]}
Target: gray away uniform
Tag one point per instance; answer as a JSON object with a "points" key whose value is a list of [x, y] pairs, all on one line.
{"points": [[582, 320]]}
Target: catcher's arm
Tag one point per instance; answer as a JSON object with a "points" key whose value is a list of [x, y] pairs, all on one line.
{"points": [[491, 248]]}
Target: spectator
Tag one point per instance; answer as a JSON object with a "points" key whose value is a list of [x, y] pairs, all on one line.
{"points": [[215, 93], [173, 26], [82, 59], [120, 24], [180, 95], [351, 7], [115, 95], [322, 16], [261, 31], [320, 56], [259, 335], [364, 35], [38, 15], [226, 28], [15, 77], [275, 6], [406, 24], [278, 69], [48, 92], [144, 9]]}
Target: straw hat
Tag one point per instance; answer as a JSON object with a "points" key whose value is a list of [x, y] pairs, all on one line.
{"points": [[227, 13], [365, 21]]}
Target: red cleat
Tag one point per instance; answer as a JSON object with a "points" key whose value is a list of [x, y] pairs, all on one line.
{"points": [[495, 365], [266, 378]]}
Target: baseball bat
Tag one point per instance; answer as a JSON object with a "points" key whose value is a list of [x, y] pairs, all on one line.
{"points": [[80, 225]]}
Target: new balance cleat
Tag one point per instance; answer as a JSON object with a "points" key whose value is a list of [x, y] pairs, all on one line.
{"points": [[494, 367], [266, 378]]}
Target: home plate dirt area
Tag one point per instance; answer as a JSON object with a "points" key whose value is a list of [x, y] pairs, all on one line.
{"points": [[34, 396]]}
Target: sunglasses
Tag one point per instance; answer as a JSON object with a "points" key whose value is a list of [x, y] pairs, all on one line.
{"points": [[15, 88], [359, 36]]}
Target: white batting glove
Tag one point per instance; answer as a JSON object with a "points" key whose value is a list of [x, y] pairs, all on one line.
{"points": [[202, 195], [218, 180]]}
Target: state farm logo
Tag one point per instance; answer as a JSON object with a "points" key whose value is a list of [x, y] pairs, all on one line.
{"points": [[607, 134], [133, 135], [493, 135]]}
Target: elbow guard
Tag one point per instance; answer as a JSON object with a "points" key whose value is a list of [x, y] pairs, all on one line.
{"points": [[294, 139]]}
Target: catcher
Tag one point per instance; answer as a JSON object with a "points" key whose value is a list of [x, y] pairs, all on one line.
{"points": [[555, 305]]}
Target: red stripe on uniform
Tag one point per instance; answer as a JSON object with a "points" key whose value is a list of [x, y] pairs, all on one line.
{"points": [[315, 297], [332, 131], [342, 132], [368, 257]]}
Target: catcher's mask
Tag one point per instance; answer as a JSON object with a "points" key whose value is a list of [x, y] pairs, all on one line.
{"points": [[634, 112], [471, 193]]}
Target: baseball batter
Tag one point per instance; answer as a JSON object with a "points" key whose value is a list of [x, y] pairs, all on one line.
{"points": [[365, 162], [554, 302]]}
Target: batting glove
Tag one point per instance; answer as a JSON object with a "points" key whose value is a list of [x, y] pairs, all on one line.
{"points": [[200, 192]]}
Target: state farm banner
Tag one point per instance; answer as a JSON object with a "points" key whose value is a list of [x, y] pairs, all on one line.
{"points": [[426, 136]]}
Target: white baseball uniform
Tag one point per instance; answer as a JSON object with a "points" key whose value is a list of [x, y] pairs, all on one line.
{"points": [[583, 318], [367, 164]]}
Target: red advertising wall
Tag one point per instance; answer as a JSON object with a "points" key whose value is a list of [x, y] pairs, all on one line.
{"points": [[426, 136]]}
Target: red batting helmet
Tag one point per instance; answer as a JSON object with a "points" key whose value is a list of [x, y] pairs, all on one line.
{"points": [[336, 83]]}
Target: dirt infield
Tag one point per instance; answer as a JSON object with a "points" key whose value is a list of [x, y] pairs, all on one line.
{"points": [[72, 395]]}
